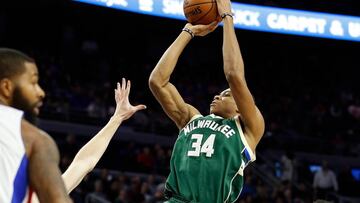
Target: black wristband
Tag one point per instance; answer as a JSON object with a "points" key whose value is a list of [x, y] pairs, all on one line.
{"points": [[227, 14], [189, 31]]}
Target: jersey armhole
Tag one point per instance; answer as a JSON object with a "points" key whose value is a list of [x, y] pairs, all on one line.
{"points": [[250, 155], [192, 118]]}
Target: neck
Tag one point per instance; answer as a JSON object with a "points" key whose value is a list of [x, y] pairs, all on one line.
{"points": [[230, 115], [226, 116], [3, 102]]}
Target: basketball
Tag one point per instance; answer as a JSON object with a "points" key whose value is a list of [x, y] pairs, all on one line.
{"points": [[201, 11]]}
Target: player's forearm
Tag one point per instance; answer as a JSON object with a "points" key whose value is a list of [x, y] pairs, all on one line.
{"points": [[89, 155], [95, 148], [92, 151], [233, 62], [160, 76]]}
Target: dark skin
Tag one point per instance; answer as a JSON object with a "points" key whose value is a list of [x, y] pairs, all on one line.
{"points": [[23, 92], [44, 173]]}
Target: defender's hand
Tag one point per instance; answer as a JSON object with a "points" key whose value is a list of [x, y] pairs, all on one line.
{"points": [[124, 109]]}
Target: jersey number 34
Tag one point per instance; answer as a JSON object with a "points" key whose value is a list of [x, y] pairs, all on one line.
{"points": [[197, 148]]}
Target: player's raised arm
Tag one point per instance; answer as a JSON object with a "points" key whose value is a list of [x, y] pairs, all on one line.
{"points": [[90, 154], [159, 81], [234, 72]]}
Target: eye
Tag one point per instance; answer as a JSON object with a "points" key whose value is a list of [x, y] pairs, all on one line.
{"points": [[34, 80]]}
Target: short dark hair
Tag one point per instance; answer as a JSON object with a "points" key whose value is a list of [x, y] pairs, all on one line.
{"points": [[12, 62]]}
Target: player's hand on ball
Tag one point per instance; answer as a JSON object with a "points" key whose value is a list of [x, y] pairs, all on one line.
{"points": [[124, 109], [224, 6], [202, 30]]}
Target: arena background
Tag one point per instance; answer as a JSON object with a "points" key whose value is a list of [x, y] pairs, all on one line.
{"points": [[307, 88]]}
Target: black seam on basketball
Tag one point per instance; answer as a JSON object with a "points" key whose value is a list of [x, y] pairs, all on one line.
{"points": [[212, 5], [199, 4], [217, 13]]}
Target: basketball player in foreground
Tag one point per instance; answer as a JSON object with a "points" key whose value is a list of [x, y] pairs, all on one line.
{"points": [[28, 156], [211, 151], [89, 155], [84, 161]]}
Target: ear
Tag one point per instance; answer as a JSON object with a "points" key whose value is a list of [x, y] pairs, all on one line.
{"points": [[6, 88]]}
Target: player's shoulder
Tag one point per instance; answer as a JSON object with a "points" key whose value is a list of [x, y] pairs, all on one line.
{"points": [[33, 135], [31, 130]]}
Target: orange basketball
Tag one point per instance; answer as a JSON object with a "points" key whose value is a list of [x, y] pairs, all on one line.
{"points": [[201, 11]]}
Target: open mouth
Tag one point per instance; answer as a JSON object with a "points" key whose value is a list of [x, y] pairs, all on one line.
{"points": [[39, 105]]}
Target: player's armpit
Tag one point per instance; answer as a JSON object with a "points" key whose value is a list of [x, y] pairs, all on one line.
{"points": [[44, 174]]}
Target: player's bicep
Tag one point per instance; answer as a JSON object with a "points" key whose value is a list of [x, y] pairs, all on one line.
{"points": [[173, 104], [250, 114], [44, 174]]}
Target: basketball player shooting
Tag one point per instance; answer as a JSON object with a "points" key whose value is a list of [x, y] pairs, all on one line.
{"points": [[211, 151]]}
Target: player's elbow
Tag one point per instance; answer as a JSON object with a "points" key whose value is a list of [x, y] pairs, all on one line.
{"points": [[155, 83], [84, 164], [87, 165], [91, 165]]}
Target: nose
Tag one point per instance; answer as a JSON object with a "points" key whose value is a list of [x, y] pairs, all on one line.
{"points": [[41, 92], [217, 97]]}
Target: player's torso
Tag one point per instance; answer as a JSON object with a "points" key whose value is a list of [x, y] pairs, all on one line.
{"points": [[207, 159], [13, 160]]}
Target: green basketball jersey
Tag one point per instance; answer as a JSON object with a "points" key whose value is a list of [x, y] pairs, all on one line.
{"points": [[208, 160]]}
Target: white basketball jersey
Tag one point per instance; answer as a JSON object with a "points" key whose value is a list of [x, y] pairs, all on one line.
{"points": [[13, 160]]}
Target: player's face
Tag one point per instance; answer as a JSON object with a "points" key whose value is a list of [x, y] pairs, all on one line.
{"points": [[28, 95], [223, 104]]}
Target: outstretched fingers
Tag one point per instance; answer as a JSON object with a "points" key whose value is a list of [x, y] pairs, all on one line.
{"points": [[118, 92], [128, 87], [123, 84], [139, 107]]}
